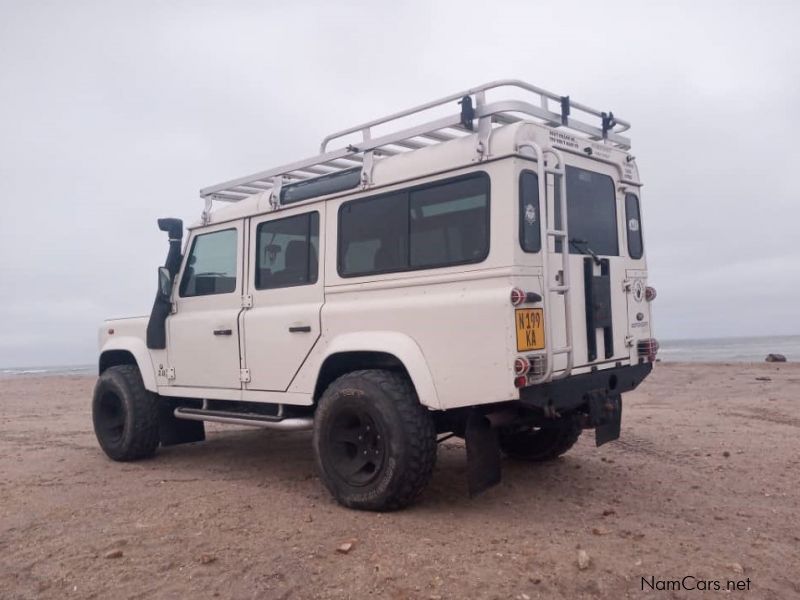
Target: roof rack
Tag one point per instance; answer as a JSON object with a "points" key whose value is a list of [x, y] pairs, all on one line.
{"points": [[362, 153]]}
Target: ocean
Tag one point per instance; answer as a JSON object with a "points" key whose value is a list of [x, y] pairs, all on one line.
{"points": [[743, 349], [52, 370], [740, 349]]}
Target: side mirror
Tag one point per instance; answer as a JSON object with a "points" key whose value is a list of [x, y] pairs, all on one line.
{"points": [[164, 284]]}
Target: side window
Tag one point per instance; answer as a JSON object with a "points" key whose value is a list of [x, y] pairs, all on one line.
{"points": [[373, 235], [633, 225], [211, 266], [436, 225], [530, 232], [449, 224], [287, 251]]}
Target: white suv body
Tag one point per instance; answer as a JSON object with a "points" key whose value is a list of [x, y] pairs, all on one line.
{"points": [[446, 261]]}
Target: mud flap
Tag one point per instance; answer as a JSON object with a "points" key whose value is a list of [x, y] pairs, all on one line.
{"points": [[483, 454], [174, 431], [606, 414]]}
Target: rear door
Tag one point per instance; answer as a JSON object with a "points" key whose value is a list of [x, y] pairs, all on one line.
{"points": [[287, 292], [597, 267]]}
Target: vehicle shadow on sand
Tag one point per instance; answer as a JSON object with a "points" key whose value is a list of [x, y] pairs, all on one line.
{"points": [[277, 458]]}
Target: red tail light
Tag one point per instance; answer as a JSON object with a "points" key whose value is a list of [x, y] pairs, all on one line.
{"points": [[521, 366], [528, 368], [647, 348], [519, 296]]}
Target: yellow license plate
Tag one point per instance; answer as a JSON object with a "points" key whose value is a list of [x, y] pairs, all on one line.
{"points": [[530, 329]]}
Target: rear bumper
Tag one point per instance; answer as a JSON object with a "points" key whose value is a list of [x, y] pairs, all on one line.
{"points": [[574, 391]]}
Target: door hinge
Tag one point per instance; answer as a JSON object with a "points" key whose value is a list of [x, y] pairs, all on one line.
{"points": [[247, 301], [171, 373], [244, 375]]}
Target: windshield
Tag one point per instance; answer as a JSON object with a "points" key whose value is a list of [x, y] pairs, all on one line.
{"points": [[592, 213]]}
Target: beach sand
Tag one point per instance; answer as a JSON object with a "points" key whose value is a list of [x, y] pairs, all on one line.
{"points": [[702, 483]]}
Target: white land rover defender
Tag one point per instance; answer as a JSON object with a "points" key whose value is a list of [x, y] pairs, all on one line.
{"points": [[478, 271]]}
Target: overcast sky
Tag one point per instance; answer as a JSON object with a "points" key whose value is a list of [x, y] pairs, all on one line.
{"points": [[113, 114]]}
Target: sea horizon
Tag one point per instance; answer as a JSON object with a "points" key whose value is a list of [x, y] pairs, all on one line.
{"points": [[730, 349], [718, 349]]}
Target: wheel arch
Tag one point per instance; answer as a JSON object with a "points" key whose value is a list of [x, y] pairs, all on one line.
{"points": [[128, 351], [377, 350]]}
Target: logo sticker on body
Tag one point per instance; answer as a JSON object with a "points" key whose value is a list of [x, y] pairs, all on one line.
{"points": [[530, 214]]}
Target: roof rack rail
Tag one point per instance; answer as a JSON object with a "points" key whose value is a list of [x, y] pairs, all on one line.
{"points": [[361, 154]]}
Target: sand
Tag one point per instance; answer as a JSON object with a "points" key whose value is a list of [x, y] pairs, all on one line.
{"points": [[703, 483]]}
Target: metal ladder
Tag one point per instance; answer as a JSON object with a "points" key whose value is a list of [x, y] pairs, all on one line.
{"points": [[550, 286]]}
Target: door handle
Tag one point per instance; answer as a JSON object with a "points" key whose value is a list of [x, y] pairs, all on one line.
{"points": [[300, 329], [223, 332]]}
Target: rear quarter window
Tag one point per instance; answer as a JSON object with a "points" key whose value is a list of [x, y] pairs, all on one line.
{"points": [[439, 224], [633, 226], [530, 231]]}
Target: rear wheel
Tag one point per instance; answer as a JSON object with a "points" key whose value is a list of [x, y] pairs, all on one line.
{"points": [[125, 414], [540, 444], [375, 445]]}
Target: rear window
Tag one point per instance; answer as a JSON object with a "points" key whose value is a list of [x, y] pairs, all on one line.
{"points": [[633, 226], [592, 213], [435, 225]]}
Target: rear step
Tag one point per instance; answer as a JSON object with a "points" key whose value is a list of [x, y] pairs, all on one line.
{"points": [[251, 419]]}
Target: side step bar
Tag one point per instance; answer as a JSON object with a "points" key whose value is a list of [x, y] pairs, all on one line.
{"points": [[251, 419]]}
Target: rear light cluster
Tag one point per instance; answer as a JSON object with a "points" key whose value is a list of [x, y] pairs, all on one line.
{"points": [[647, 348], [650, 293], [527, 369], [519, 296], [522, 365]]}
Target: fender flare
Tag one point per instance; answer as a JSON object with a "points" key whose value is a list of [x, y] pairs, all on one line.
{"points": [[141, 355], [402, 346]]}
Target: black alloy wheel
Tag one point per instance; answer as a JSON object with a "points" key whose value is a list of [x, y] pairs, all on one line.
{"points": [[357, 447]]}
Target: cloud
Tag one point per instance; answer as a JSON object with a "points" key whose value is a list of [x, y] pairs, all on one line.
{"points": [[114, 114]]}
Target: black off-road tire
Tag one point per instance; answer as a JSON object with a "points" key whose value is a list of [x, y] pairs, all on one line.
{"points": [[374, 443], [540, 444], [125, 414]]}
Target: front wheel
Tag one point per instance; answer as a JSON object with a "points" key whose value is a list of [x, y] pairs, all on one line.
{"points": [[374, 443], [540, 444], [125, 414]]}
